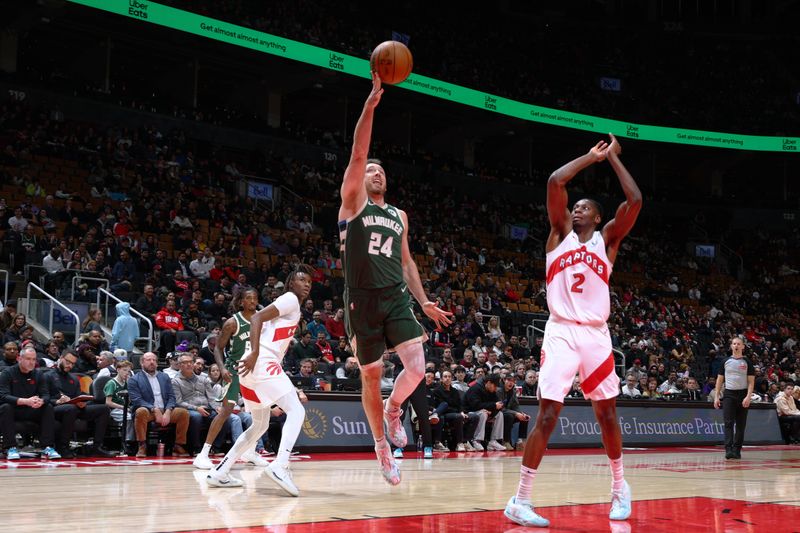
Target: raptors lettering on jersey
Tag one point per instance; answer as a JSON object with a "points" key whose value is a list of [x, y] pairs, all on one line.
{"points": [[577, 280]]}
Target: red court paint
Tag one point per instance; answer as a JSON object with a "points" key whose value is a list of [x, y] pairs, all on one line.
{"points": [[652, 516]]}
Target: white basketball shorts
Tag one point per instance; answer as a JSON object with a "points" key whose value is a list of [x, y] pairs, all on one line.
{"points": [[268, 382], [570, 348]]}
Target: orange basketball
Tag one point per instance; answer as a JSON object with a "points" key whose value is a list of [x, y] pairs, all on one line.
{"points": [[392, 61]]}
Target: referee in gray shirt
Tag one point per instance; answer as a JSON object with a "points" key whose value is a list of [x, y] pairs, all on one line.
{"points": [[738, 375]]}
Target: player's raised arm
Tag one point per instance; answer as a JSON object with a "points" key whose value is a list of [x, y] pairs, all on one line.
{"points": [[618, 227], [557, 210], [353, 192], [411, 276]]}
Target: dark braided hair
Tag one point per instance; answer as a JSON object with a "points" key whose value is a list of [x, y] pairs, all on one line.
{"points": [[301, 268]]}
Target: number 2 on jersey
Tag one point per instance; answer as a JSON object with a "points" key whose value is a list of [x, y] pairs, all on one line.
{"points": [[376, 248], [579, 279]]}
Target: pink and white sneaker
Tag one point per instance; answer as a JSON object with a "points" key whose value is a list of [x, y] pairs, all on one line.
{"points": [[395, 430]]}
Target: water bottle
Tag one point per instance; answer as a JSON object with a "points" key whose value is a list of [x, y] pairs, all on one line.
{"points": [[160, 451], [420, 449]]}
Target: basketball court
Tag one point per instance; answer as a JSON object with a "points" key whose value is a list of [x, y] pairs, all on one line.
{"points": [[691, 489]]}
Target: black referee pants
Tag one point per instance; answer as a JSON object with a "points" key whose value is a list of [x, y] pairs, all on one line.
{"points": [[735, 416]]}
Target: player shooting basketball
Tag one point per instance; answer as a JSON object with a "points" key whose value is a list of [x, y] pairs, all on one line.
{"points": [[576, 339]]}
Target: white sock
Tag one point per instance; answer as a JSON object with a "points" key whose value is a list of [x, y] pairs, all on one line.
{"points": [[617, 473], [295, 414], [526, 476], [205, 451]]}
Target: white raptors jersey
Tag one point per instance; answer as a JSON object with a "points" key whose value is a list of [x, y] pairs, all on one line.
{"points": [[577, 280], [275, 338]]}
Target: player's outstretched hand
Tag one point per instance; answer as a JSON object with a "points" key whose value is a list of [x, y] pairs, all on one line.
{"points": [[225, 375], [439, 316], [247, 364], [614, 147], [375, 95], [598, 151]]}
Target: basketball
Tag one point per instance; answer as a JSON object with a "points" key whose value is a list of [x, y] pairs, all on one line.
{"points": [[392, 61]]}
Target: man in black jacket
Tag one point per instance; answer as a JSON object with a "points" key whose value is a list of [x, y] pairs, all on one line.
{"points": [[25, 395], [449, 403], [481, 399], [63, 387]]}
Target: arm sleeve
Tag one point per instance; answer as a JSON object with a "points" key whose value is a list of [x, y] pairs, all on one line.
{"points": [[751, 369], [721, 371]]}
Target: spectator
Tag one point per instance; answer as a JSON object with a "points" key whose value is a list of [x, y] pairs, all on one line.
{"points": [[322, 348], [512, 413], [115, 397], [481, 399], [173, 366], [195, 393], [637, 371], [64, 386], [105, 365], [788, 413], [493, 330], [168, 322], [448, 402], [10, 355], [308, 375], [350, 370], [123, 274], [342, 351], [126, 328], [92, 321], [148, 303], [198, 366], [692, 392], [14, 332], [25, 395], [301, 350], [153, 399], [629, 389], [335, 325], [88, 350], [652, 392], [201, 266], [529, 388], [316, 325]]}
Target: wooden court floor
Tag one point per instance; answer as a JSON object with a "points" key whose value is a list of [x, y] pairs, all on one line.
{"points": [[691, 489]]}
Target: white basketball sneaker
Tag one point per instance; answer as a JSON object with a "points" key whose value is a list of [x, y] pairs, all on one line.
{"points": [[388, 466], [253, 458], [523, 514], [395, 430], [282, 476], [202, 462], [620, 503], [227, 481]]}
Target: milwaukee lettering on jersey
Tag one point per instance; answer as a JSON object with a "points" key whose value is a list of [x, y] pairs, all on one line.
{"points": [[377, 220], [575, 257], [284, 333]]}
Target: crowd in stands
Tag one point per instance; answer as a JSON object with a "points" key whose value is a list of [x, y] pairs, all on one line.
{"points": [[164, 225]]}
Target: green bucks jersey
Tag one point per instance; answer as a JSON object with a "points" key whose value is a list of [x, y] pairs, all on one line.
{"points": [[239, 343], [371, 247]]}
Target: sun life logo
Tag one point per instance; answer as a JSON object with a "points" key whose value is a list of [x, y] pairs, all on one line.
{"points": [[315, 425]]}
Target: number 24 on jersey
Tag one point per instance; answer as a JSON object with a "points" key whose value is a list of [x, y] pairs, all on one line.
{"points": [[376, 248]]}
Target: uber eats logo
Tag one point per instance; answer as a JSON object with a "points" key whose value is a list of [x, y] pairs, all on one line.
{"points": [[315, 425], [137, 8]]}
